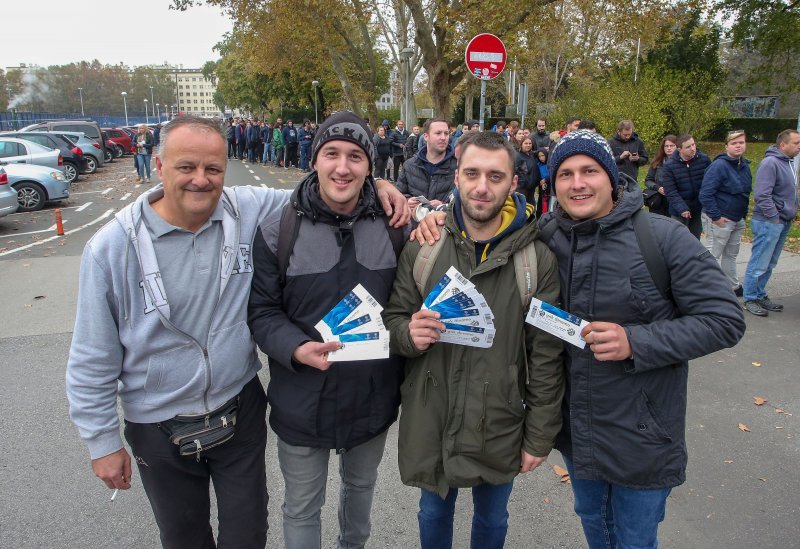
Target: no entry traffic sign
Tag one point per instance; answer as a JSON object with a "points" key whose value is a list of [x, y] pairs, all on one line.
{"points": [[485, 56]]}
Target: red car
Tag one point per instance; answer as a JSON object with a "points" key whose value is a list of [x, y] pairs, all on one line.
{"points": [[119, 137]]}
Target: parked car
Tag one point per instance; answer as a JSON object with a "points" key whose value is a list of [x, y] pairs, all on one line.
{"points": [[36, 185], [74, 161], [89, 127], [8, 196], [19, 151], [91, 150], [120, 136]]}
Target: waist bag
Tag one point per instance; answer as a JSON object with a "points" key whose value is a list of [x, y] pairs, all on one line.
{"points": [[195, 433]]}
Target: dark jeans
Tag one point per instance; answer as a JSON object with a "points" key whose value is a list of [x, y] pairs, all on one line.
{"points": [[231, 148], [290, 155], [305, 156], [695, 224], [177, 486], [489, 518], [278, 156], [397, 161], [252, 152], [379, 170], [241, 147]]}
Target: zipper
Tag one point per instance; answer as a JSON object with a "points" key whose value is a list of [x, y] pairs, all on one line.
{"points": [[199, 448], [481, 427], [428, 376]]}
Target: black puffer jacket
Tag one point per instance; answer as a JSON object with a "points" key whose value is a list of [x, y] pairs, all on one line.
{"points": [[420, 177], [351, 402], [681, 180], [627, 418]]}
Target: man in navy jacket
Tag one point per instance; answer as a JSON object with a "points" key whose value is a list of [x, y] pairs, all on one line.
{"points": [[683, 175]]}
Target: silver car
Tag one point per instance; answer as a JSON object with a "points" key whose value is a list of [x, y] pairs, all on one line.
{"points": [[21, 151], [8, 197], [95, 157], [36, 185]]}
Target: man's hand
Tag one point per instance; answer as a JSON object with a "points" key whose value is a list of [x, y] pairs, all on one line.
{"points": [[528, 462], [413, 202], [608, 341], [662, 192], [315, 354], [394, 203], [425, 329], [428, 229], [686, 215], [634, 157], [436, 203], [624, 155], [114, 469], [721, 221]]}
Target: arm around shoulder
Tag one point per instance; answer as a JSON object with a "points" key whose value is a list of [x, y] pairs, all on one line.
{"points": [[404, 302]]}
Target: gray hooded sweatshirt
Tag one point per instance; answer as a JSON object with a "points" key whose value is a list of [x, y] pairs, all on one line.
{"points": [[776, 188], [124, 343]]}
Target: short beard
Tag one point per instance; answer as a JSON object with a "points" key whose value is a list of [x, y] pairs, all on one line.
{"points": [[480, 218]]}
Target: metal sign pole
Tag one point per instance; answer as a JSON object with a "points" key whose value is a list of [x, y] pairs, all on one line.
{"points": [[483, 102]]}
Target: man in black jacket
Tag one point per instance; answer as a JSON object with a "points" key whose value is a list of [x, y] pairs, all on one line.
{"points": [[431, 172], [399, 136], [342, 240], [624, 445], [682, 177], [628, 149]]}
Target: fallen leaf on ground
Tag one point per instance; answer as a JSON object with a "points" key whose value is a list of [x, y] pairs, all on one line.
{"points": [[778, 427], [743, 427], [759, 401], [756, 364], [28, 305], [547, 499], [762, 479], [728, 461], [563, 473]]}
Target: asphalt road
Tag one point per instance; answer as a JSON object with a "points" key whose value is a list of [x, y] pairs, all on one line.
{"points": [[742, 487]]}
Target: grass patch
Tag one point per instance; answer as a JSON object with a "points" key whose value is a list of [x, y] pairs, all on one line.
{"points": [[755, 154]]}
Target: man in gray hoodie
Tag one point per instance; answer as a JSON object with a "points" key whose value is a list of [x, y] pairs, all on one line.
{"points": [[162, 324], [773, 213]]}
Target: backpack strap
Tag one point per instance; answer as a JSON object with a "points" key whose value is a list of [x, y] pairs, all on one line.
{"points": [[526, 272], [397, 237], [425, 260], [653, 258], [287, 236]]}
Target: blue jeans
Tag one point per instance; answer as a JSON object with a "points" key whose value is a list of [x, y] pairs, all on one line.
{"points": [[615, 517], [489, 518], [305, 157], [768, 239], [267, 156], [143, 165]]}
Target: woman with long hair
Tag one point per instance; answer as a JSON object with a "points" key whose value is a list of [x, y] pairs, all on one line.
{"points": [[655, 196], [517, 138], [383, 152]]}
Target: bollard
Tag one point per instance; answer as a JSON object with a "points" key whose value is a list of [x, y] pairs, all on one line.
{"points": [[59, 223]]}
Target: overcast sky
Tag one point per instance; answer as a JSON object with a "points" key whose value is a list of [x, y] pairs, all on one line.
{"points": [[142, 32]]}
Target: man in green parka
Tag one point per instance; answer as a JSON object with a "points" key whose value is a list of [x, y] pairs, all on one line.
{"points": [[476, 417]]}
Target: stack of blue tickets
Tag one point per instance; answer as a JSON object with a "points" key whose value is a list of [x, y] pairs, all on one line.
{"points": [[463, 310], [356, 323]]}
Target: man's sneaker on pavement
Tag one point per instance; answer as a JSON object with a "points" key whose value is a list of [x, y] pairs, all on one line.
{"points": [[769, 305], [754, 307]]}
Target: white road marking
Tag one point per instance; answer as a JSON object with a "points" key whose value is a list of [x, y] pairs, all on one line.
{"points": [[47, 230], [251, 171], [81, 208], [126, 196], [75, 230], [256, 178], [108, 190], [88, 192]]}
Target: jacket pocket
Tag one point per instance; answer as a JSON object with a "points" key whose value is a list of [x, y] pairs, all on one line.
{"points": [[492, 426], [649, 420], [294, 402], [174, 374]]}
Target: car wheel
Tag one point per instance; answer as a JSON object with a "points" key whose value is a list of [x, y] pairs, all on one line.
{"points": [[30, 196], [91, 164], [119, 152], [107, 155], [70, 171]]}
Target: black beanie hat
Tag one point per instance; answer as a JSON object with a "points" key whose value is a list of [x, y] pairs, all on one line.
{"points": [[344, 126]]}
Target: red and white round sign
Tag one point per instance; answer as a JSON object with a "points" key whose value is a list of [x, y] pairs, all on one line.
{"points": [[485, 56]]}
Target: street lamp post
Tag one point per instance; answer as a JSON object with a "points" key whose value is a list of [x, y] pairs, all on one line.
{"points": [[152, 99], [315, 83], [80, 91], [125, 102], [406, 54], [158, 112], [146, 117]]}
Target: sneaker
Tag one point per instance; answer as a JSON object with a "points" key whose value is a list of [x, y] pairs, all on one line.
{"points": [[138, 179], [754, 307], [739, 291], [769, 305]]}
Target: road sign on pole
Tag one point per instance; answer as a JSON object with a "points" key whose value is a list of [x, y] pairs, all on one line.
{"points": [[486, 58]]}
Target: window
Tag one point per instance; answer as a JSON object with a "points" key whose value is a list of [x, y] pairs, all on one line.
{"points": [[9, 149]]}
